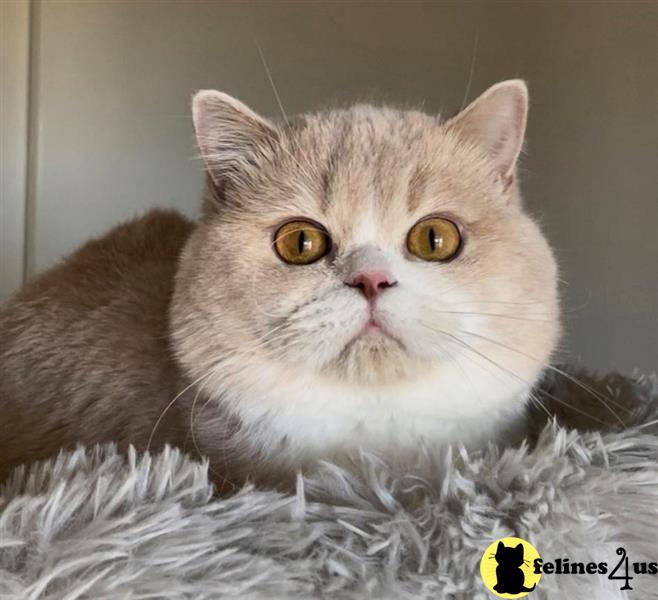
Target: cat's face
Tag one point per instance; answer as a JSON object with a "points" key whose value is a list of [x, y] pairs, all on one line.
{"points": [[386, 296]]}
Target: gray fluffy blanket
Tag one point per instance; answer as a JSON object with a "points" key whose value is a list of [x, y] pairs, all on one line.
{"points": [[96, 524]]}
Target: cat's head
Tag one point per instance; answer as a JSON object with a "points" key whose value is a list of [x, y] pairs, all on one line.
{"points": [[368, 246], [510, 556]]}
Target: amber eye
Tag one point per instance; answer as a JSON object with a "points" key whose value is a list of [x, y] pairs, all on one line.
{"points": [[301, 242], [434, 239]]}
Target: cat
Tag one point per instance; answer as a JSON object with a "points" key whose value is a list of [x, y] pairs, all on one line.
{"points": [[360, 279], [510, 578]]}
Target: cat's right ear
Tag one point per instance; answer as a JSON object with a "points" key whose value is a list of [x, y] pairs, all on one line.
{"points": [[231, 137], [501, 546], [496, 122]]}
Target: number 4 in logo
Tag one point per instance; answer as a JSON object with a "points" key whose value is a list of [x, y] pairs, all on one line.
{"points": [[625, 577]]}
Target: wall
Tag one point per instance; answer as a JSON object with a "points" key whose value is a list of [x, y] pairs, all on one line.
{"points": [[111, 133], [14, 87]]}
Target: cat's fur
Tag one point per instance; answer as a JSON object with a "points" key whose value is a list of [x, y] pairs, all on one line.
{"points": [[267, 357]]}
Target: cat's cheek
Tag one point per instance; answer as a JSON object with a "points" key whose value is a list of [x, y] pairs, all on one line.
{"points": [[322, 331], [419, 324]]}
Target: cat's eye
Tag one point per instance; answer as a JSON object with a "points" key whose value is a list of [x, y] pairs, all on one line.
{"points": [[434, 239], [301, 242]]}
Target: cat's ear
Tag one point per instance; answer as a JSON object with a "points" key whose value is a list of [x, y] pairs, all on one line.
{"points": [[231, 137], [496, 122], [519, 549], [501, 546]]}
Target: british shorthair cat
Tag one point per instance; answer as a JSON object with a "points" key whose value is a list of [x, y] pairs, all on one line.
{"points": [[360, 279]]}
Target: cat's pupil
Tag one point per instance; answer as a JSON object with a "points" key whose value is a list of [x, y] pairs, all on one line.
{"points": [[301, 242], [432, 239]]}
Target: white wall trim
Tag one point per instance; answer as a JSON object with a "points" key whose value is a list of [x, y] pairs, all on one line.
{"points": [[14, 109]]}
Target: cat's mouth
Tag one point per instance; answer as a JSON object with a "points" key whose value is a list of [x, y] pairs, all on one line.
{"points": [[373, 326], [374, 329]]}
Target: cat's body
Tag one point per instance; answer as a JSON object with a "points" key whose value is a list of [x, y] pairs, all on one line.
{"points": [[84, 352], [510, 578], [362, 332]]}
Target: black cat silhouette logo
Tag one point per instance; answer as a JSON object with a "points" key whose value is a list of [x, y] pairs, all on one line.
{"points": [[506, 568]]}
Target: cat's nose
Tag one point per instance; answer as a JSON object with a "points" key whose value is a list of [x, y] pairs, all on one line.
{"points": [[371, 283]]}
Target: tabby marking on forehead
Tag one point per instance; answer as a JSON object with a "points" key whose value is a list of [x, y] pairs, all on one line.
{"points": [[417, 186]]}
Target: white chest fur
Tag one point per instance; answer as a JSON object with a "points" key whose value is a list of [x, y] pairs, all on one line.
{"points": [[318, 418]]}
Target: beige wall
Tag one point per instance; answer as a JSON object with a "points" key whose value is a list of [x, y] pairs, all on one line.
{"points": [[14, 86], [113, 135]]}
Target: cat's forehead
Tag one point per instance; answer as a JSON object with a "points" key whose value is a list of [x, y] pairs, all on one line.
{"points": [[375, 170], [362, 140]]}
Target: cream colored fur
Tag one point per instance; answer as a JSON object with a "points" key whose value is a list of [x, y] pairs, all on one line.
{"points": [[277, 348]]}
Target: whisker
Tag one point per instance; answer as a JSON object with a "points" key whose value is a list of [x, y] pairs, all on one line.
{"points": [[541, 405], [481, 314], [271, 80], [587, 388], [507, 302], [468, 379], [277, 97], [472, 70], [512, 373], [162, 414], [555, 398], [531, 395], [580, 384], [262, 341], [193, 421]]}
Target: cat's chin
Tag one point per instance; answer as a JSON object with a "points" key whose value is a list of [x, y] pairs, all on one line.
{"points": [[374, 357]]}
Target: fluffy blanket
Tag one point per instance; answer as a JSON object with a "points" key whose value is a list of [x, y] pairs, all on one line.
{"points": [[97, 524]]}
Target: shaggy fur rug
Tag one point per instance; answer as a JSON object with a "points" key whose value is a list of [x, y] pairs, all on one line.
{"points": [[96, 524]]}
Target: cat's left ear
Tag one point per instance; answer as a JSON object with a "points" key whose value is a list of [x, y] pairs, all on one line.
{"points": [[232, 138], [496, 122]]}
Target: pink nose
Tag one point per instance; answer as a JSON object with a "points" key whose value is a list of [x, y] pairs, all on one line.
{"points": [[371, 283]]}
